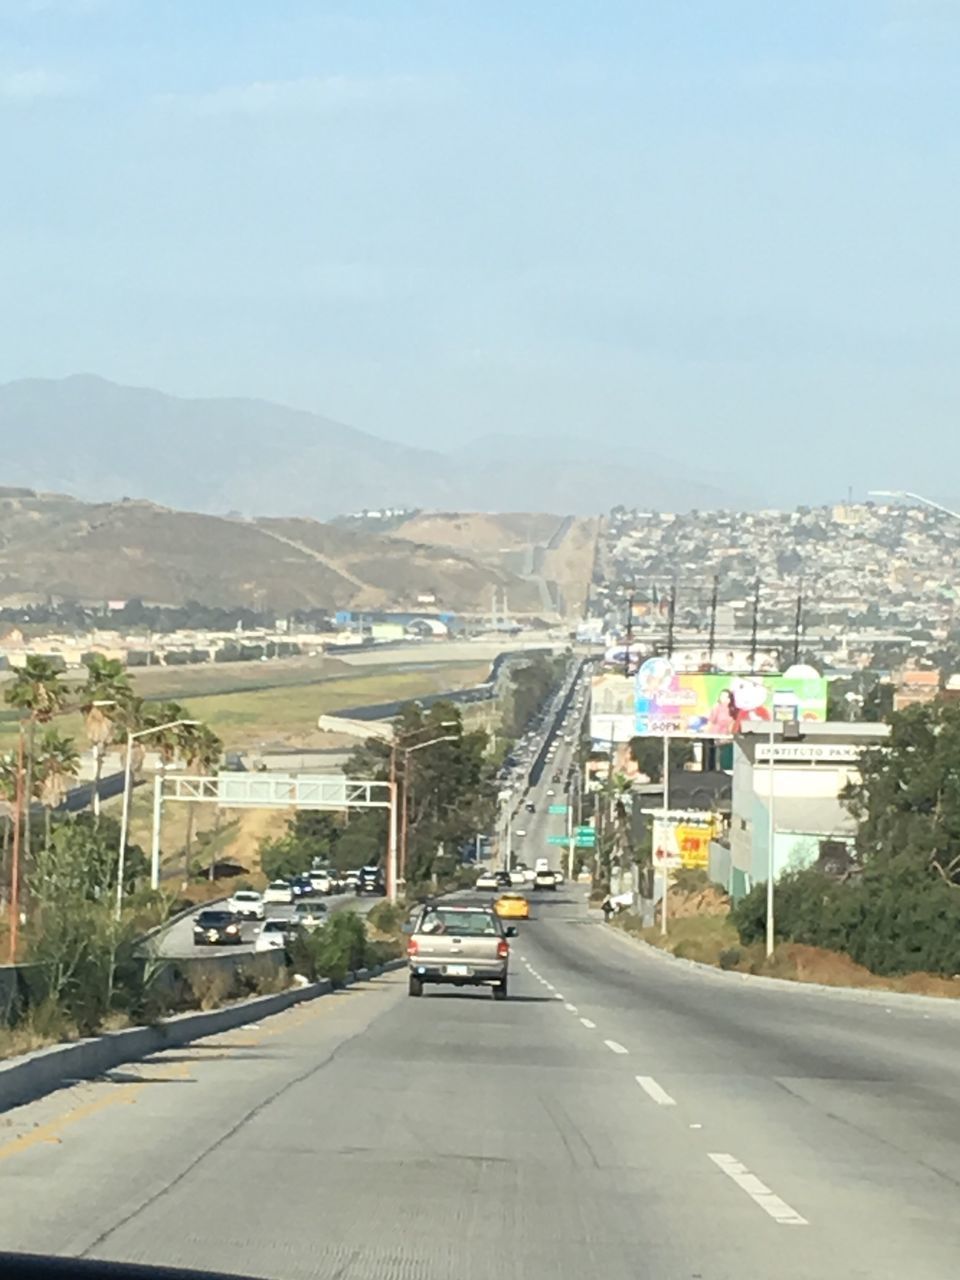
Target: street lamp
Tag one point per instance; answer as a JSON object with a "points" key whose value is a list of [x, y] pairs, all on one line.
{"points": [[125, 810]]}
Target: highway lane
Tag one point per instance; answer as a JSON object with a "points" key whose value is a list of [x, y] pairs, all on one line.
{"points": [[370, 1135], [178, 939]]}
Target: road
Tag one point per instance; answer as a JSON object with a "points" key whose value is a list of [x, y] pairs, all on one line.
{"points": [[620, 1116], [178, 939]]}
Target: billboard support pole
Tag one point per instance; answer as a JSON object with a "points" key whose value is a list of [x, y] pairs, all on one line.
{"points": [[771, 835], [666, 810], [753, 629], [671, 617], [798, 623]]}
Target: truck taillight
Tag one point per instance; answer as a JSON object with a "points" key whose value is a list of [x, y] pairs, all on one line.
{"points": [[412, 947], [503, 949]]}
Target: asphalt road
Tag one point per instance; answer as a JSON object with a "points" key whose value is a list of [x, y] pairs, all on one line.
{"points": [[178, 939], [619, 1116]]}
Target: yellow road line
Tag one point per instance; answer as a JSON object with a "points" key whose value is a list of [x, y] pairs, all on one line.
{"points": [[122, 1094]]}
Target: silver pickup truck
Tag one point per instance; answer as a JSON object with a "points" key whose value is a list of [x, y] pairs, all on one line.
{"points": [[463, 945]]}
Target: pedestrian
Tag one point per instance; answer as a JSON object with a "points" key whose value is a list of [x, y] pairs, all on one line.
{"points": [[607, 908]]}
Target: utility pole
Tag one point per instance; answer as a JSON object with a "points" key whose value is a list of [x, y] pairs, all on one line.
{"points": [[798, 623], [671, 617], [713, 617], [753, 628], [626, 655]]}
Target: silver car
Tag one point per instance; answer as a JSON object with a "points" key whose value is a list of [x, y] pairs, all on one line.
{"points": [[460, 946]]}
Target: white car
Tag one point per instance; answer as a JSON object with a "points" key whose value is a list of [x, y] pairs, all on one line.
{"points": [[278, 891], [273, 936], [246, 903], [310, 914], [518, 875], [321, 881], [486, 880]]}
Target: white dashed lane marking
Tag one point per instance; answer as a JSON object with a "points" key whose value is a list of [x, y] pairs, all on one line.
{"points": [[758, 1191], [591, 1026], [654, 1091], [570, 1008], [615, 1046]]}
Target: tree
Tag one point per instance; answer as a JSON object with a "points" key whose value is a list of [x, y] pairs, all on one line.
{"points": [[907, 799], [56, 765], [648, 755], [202, 749], [107, 695], [35, 690]]}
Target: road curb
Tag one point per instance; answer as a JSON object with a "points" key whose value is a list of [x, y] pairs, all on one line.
{"points": [[34, 1074], [759, 982]]}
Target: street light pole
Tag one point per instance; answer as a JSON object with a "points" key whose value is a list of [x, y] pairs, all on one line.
{"points": [[404, 812], [15, 854], [125, 804]]}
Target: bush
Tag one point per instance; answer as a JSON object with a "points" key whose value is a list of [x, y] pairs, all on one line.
{"points": [[332, 950], [895, 918], [730, 957], [386, 917]]}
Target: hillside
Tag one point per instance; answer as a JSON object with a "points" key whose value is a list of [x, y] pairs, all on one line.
{"points": [[93, 438], [54, 545]]}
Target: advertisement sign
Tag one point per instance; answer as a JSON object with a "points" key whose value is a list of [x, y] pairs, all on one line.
{"points": [[611, 708], [683, 840], [695, 705]]}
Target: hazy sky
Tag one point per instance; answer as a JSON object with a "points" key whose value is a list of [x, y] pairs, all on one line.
{"points": [[723, 225]]}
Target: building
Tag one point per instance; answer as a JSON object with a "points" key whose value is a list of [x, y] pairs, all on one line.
{"points": [[803, 787], [915, 687]]}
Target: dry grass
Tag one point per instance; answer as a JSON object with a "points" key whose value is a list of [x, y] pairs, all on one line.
{"points": [[699, 929]]}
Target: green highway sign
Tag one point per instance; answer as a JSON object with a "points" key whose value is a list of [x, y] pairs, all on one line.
{"points": [[558, 808], [558, 839], [587, 831], [582, 842]]}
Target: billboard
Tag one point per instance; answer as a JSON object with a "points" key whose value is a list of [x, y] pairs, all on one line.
{"points": [[683, 840], [612, 711], [696, 705]]}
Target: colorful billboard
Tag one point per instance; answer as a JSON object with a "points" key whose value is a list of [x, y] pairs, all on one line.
{"points": [[683, 840], [695, 705]]}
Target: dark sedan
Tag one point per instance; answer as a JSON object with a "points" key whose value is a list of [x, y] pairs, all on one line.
{"points": [[216, 928]]}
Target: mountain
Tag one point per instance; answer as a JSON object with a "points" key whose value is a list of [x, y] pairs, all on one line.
{"points": [[53, 546], [93, 438]]}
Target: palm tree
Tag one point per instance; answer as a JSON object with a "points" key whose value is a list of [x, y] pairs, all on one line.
{"points": [[8, 793], [57, 763], [37, 691], [202, 749], [107, 695]]}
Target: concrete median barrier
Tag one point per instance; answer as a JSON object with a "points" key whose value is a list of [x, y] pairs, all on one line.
{"points": [[34, 1074]]}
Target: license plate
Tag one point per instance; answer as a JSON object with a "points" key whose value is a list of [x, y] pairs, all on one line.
{"points": [[458, 970]]}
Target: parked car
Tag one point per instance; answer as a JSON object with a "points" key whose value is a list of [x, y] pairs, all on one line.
{"points": [[459, 945], [246, 903], [279, 892], [216, 927], [273, 936]]}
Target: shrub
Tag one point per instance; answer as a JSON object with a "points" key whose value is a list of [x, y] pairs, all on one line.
{"points": [[730, 957], [386, 917], [332, 950]]}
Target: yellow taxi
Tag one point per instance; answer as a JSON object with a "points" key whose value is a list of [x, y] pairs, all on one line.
{"points": [[512, 906]]}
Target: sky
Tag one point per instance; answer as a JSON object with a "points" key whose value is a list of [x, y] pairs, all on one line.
{"points": [[724, 231]]}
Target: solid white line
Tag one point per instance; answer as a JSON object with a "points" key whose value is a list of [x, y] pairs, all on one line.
{"points": [[591, 1026], [615, 1046], [570, 1008], [654, 1091], [758, 1192]]}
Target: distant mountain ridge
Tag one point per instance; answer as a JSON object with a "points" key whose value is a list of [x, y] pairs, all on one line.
{"points": [[93, 438]]}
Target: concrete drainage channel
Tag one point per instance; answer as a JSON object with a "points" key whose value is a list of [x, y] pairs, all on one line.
{"points": [[34, 1074]]}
